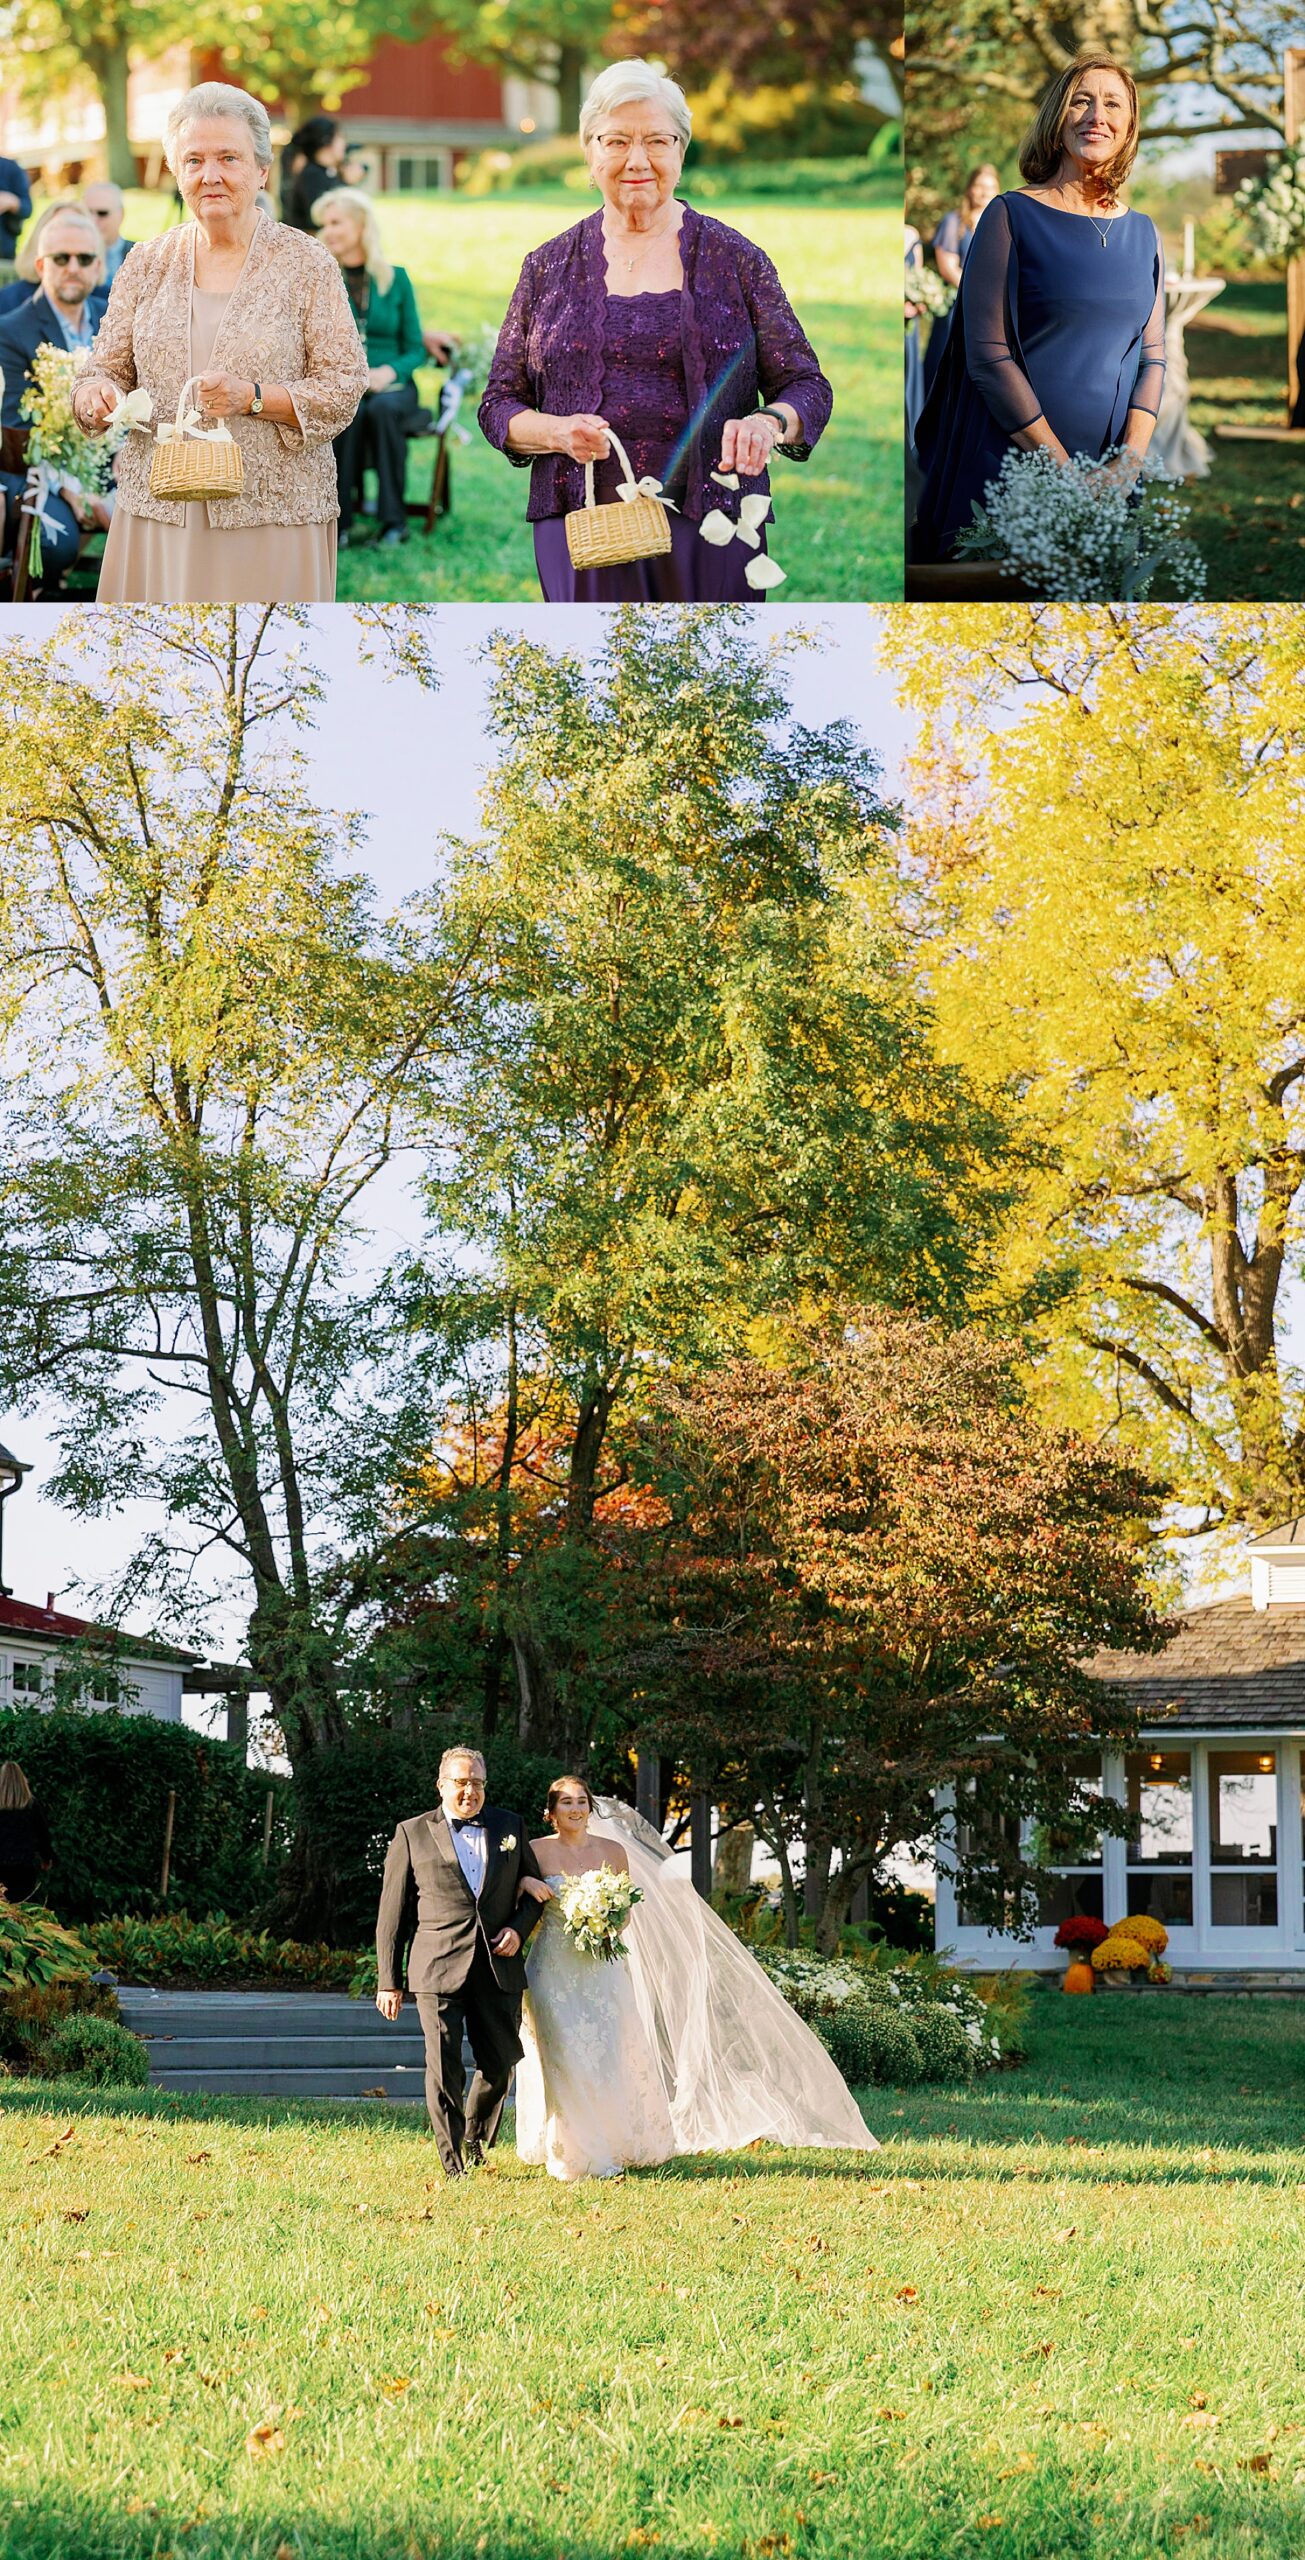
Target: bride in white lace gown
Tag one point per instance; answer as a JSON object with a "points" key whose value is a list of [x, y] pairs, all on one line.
{"points": [[682, 2045]]}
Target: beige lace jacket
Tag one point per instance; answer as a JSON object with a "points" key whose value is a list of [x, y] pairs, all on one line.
{"points": [[288, 321]]}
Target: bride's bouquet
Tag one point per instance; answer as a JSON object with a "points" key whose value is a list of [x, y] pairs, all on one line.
{"points": [[1077, 533], [595, 1908]]}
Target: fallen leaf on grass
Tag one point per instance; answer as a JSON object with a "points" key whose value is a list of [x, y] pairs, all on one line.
{"points": [[1044, 2347], [196, 2159], [906, 2293], [395, 2384], [1255, 2462], [724, 2421], [890, 2413], [1022, 2462], [989, 2524], [1060, 2237], [265, 2439], [1201, 2418], [132, 2382], [1194, 2524], [823, 2479], [56, 2146], [1047, 2292], [1198, 2400]]}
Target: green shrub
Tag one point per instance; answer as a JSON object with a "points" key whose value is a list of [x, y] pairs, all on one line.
{"points": [[98, 2052], [946, 2052], [34, 1949], [103, 1778], [28, 2012], [177, 1952], [885, 2043]]}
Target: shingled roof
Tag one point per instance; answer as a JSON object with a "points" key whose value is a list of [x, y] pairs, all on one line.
{"points": [[1229, 1665]]}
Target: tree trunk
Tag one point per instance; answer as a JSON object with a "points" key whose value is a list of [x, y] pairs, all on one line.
{"points": [[109, 66], [734, 1849], [570, 73]]}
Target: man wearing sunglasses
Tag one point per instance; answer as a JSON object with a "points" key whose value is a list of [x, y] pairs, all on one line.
{"points": [[64, 311]]}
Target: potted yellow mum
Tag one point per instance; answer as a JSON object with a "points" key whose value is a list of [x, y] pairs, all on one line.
{"points": [[1151, 1934], [1117, 1959]]}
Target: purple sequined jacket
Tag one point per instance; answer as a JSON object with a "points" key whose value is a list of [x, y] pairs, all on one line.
{"points": [[742, 344]]}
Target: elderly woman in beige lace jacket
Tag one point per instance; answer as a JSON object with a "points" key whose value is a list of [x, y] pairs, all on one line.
{"points": [[255, 315]]}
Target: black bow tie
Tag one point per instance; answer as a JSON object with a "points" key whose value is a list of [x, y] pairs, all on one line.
{"points": [[461, 1820]]}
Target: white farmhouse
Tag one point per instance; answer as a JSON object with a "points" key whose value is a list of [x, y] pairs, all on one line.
{"points": [[130, 1672], [1214, 1792]]}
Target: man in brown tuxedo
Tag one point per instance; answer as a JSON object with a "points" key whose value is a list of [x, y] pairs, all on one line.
{"points": [[451, 1902]]}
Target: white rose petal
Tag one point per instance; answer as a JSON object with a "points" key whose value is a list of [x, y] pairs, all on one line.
{"points": [[765, 573], [754, 510], [726, 479], [716, 528]]}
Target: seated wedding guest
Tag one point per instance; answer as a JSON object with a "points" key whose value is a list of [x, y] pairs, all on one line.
{"points": [[385, 307], [104, 203], [63, 311], [15, 206], [255, 318], [25, 1850], [1057, 335], [950, 244], [24, 284], [661, 323], [315, 158]]}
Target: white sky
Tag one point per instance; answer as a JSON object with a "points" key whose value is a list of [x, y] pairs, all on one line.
{"points": [[413, 761]]}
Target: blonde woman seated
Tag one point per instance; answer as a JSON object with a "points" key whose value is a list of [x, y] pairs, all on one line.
{"points": [[257, 317], [385, 308]]}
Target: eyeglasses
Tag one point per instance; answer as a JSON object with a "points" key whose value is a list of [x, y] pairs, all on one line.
{"points": [[618, 146], [73, 257]]}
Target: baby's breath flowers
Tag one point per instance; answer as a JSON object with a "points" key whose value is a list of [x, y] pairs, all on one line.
{"points": [[1082, 532], [1274, 206]]}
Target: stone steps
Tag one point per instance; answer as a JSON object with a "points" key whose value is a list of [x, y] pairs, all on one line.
{"points": [[276, 2044]]}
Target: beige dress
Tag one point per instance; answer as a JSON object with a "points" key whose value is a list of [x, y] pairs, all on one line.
{"points": [[199, 563]]}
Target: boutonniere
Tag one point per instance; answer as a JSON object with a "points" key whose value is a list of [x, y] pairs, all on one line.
{"points": [[508, 1841]]}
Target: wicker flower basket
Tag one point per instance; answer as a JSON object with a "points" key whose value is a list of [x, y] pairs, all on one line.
{"points": [[628, 529], [190, 462]]}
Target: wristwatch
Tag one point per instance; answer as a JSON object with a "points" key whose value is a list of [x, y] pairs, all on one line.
{"points": [[256, 404], [785, 430]]}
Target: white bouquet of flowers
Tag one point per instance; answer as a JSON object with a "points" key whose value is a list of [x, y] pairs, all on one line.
{"points": [[1078, 533], [926, 290], [595, 1908], [1274, 206]]}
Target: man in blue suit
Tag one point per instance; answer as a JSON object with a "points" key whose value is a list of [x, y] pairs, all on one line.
{"points": [[64, 311], [15, 206], [104, 203]]}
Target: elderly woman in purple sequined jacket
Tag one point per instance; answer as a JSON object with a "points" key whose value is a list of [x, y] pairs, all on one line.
{"points": [[666, 326]]}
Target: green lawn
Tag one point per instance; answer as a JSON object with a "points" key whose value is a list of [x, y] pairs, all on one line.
{"points": [[1248, 518], [1059, 2316], [838, 517]]}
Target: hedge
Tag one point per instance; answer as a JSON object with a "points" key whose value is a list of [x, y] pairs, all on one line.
{"points": [[103, 1779], [351, 1797]]}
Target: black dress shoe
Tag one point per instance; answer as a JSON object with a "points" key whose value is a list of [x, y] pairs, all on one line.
{"points": [[393, 537]]}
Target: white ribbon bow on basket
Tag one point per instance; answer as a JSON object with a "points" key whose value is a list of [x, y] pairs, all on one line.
{"points": [[187, 423], [629, 488]]}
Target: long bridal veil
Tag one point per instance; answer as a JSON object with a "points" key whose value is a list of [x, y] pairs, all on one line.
{"points": [[738, 2065]]}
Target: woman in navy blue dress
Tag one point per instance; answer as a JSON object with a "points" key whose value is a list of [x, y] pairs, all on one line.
{"points": [[950, 246], [1057, 338]]}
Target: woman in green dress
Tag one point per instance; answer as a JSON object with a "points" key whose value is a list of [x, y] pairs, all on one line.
{"points": [[385, 308]]}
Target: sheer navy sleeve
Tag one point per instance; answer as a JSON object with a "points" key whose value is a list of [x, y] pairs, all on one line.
{"points": [[1148, 390], [991, 361]]}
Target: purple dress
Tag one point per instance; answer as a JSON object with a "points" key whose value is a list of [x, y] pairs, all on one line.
{"points": [[667, 370]]}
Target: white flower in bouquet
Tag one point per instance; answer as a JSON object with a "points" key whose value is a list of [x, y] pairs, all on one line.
{"points": [[1076, 533], [1274, 206], [925, 289], [594, 1909]]}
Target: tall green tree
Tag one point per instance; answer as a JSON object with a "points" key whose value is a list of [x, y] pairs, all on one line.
{"points": [[704, 1087], [213, 1051], [1109, 824]]}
